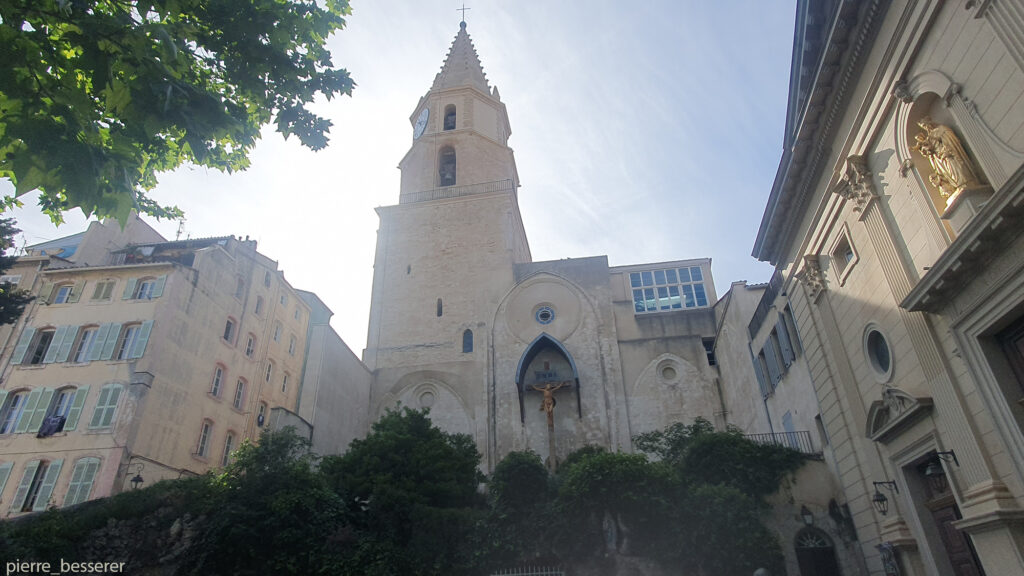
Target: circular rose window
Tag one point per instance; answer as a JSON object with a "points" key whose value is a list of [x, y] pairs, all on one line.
{"points": [[545, 315]]}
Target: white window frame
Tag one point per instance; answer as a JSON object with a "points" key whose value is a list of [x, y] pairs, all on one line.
{"points": [[229, 440], [86, 340], [34, 346], [144, 289], [250, 345], [105, 411], [13, 409], [129, 336], [103, 291], [230, 327], [60, 296], [239, 399], [292, 342], [217, 382], [204, 439]]}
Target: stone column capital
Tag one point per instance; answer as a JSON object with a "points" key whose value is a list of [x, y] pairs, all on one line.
{"points": [[855, 183], [811, 276]]}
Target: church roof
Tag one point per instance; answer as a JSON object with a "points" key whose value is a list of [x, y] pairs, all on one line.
{"points": [[462, 65]]}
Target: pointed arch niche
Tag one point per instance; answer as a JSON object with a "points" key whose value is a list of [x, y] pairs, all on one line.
{"points": [[546, 360]]}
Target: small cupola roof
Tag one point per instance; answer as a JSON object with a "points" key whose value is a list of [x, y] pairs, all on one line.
{"points": [[462, 65]]}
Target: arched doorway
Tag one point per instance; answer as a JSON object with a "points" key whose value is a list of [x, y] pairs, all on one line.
{"points": [[815, 553]]}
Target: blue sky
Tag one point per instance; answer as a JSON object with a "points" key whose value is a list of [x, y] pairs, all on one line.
{"points": [[646, 131]]}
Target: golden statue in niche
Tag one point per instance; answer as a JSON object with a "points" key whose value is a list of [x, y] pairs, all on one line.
{"points": [[952, 170]]}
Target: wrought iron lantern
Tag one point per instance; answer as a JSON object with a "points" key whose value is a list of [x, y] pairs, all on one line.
{"points": [[137, 479], [936, 474], [879, 500]]}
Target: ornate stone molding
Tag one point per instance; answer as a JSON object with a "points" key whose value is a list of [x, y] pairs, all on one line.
{"points": [[855, 184], [812, 276], [895, 412], [901, 91]]}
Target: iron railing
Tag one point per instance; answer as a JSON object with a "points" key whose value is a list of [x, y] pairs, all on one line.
{"points": [[799, 441], [456, 191], [530, 571]]}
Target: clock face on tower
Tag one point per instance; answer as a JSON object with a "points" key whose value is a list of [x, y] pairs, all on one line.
{"points": [[421, 124]]}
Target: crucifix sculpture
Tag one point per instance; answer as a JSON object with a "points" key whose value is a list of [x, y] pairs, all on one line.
{"points": [[463, 10], [548, 405]]}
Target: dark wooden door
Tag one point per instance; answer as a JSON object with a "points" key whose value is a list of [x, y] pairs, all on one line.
{"points": [[958, 547]]}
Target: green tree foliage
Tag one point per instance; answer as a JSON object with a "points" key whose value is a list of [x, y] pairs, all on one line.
{"points": [[99, 96], [521, 498], [412, 492], [274, 513], [12, 300]]}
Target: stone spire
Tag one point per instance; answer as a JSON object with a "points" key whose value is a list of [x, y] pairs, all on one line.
{"points": [[462, 65]]}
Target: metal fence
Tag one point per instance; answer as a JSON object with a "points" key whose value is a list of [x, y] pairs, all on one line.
{"points": [[530, 571], [799, 441]]}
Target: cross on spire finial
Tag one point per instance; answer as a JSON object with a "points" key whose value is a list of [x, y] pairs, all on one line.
{"points": [[463, 10]]}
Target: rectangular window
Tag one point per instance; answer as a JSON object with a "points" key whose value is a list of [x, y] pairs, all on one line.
{"points": [[266, 278], [229, 446], [259, 306], [62, 404], [106, 406], [129, 336], [103, 290], [34, 486], [13, 408], [298, 314], [229, 331], [62, 294], [145, 290], [85, 344], [284, 299], [291, 345], [277, 332], [218, 377], [204, 440], [668, 289], [12, 279], [82, 478], [284, 383], [270, 370], [250, 345], [239, 394]]}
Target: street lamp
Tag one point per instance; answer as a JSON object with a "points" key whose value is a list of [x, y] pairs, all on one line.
{"points": [[879, 500], [936, 474], [137, 479]]}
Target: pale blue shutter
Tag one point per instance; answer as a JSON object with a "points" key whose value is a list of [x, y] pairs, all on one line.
{"points": [[46, 489], [76, 292], [158, 287], [42, 408], [26, 413], [51, 351], [71, 496], [108, 416], [141, 340], [772, 359], [99, 341], [65, 346], [762, 382], [787, 347], [129, 288], [5, 473], [76, 408], [97, 412], [108, 346], [22, 347], [26, 480]]}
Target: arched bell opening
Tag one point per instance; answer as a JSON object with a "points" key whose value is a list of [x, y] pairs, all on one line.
{"points": [[546, 364]]}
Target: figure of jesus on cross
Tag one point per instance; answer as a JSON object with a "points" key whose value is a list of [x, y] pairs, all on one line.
{"points": [[548, 405]]}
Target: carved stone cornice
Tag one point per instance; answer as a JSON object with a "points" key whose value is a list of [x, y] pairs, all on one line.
{"points": [[812, 277], [895, 412], [855, 184], [901, 91]]}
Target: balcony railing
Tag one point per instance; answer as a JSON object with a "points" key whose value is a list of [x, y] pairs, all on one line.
{"points": [[799, 441], [456, 191]]}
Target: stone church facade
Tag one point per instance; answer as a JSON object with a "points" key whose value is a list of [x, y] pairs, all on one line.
{"points": [[464, 322]]}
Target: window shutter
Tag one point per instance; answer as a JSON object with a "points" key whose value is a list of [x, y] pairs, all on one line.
{"points": [[71, 497], [97, 291], [108, 416], [40, 412], [99, 342], [787, 346], [26, 481], [30, 407], [158, 287], [143, 338], [97, 412], [3, 399], [108, 346], [772, 360], [85, 487], [76, 292], [761, 381], [49, 481], [22, 347], [75, 412], [58, 337], [46, 291], [129, 288], [67, 343], [5, 473]]}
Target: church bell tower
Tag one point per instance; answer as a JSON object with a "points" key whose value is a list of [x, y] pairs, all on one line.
{"points": [[446, 253]]}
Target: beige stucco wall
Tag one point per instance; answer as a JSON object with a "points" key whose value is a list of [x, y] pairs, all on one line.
{"points": [[335, 392]]}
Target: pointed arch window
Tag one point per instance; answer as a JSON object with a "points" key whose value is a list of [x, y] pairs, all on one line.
{"points": [[449, 117], [440, 308], [446, 167]]}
